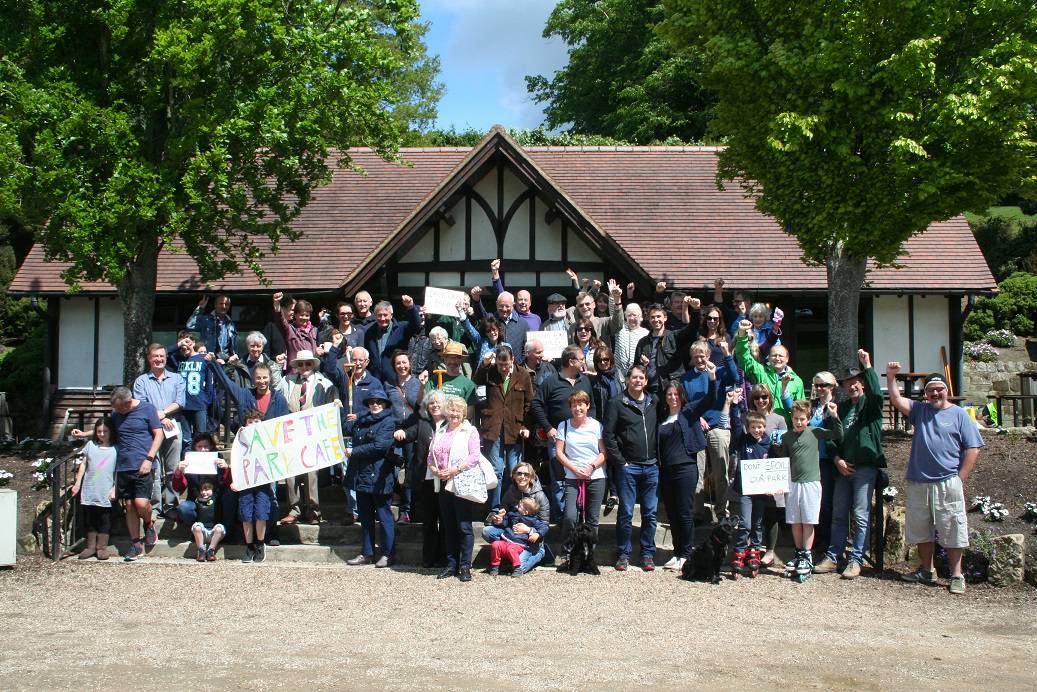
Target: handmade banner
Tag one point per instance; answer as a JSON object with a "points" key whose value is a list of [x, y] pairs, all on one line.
{"points": [[201, 463], [765, 476], [554, 342], [287, 446], [441, 301]]}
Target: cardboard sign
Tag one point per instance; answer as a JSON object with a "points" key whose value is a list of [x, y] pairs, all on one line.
{"points": [[554, 342], [201, 463], [441, 301], [287, 446], [765, 476]]}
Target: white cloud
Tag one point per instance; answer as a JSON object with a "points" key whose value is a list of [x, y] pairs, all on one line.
{"points": [[503, 38]]}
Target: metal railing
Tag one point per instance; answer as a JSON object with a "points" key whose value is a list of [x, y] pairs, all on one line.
{"points": [[65, 512]]}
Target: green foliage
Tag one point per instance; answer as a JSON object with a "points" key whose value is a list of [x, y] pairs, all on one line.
{"points": [[17, 318], [196, 125], [622, 79], [1014, 307], [536, 137], [21, 376], [1008, 244], [859, 124]]}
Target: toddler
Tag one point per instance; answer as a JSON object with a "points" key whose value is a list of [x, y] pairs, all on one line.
{"points": [[207, 533], [512, 542]]}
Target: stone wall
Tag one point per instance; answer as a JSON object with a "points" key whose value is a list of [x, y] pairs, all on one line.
{"points": [[983, 381]]}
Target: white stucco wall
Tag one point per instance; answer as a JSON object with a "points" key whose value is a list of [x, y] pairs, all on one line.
{"points": [[890, 316], [76, 343]]}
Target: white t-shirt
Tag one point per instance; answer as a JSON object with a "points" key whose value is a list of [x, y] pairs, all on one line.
{"points": [[581, 445]]}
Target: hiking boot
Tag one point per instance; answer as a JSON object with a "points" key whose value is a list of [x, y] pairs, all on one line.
{"points": [[91, 546], [920, 576], [957, 585], [622, 564], [826, 566], [250, 553], [852, 571], [260, 552]]}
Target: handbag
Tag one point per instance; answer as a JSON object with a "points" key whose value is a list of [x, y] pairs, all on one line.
{"points": [[487, 471]]}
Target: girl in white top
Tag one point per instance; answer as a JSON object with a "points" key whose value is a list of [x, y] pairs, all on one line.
{"points": [[96, 478], [581, 452]]}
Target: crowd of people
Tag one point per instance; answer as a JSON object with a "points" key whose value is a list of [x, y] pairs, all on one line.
{"points": [[656, 398]]}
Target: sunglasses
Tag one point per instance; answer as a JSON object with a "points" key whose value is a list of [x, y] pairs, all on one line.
{"points": [[604, 360], [761, 397], [522, 474], [583, 329], [824, 385], [712, 319]]}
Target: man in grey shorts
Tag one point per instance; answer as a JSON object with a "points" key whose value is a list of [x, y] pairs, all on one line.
{"points": [[943, 452]]}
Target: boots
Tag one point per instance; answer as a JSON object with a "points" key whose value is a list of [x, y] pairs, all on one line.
{"points": [[102, 546], [91, 546]]}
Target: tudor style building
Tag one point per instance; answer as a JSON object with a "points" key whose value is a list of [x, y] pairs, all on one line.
{"points": [[633, 213]]}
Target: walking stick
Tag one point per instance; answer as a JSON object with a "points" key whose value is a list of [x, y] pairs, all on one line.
{"points": [[439, 372]]}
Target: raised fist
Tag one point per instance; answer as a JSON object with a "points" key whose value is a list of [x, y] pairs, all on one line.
{"points": [[407, 301], [693, 303], [864, 357], [893, 367], [718, 283], [495, 266], [744, 326], [476, 292], [660, 286]]}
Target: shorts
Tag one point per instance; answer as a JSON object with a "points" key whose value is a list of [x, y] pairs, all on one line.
{"points": [[208, 533], [255, 504], [936, 512], [130, 485], [803, 504]]}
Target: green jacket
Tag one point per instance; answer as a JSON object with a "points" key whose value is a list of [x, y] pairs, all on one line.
{"points": [[862, 426], [758, 373]]}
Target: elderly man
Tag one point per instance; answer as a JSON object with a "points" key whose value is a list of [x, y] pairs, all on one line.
{"points": [[858, 461], [523, 298], [509, 393], [386, 336], [539, 369], [304, 389], [605, 328], [558, 319], [944, 449], [167, 392], [454, 381], [514, 327], [362, 315], [776, 374], [217, 329]]}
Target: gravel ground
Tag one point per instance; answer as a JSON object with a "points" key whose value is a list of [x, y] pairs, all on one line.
{"points": [[84, 625]]}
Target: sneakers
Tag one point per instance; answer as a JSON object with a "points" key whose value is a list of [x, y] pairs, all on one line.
{"points": [[383, 561], [250, 552], [517, 572], [493, 570], [648, 564], [622, 564], [610, 504], [920, 576], [465, 574], [671, 564], [210, 555], [852, 571], [957, 585], [803, 562], [359, 560], [680, 564], [260, 552], [200, 556], [150, 535], [827, 566], [136, 551]]}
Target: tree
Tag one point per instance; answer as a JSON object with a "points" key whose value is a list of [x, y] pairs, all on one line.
{"points": [[622, 80], [857, 124], [201, 126]]}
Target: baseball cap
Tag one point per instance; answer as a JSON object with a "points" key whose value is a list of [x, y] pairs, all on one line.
{"points": [[934, 377]]}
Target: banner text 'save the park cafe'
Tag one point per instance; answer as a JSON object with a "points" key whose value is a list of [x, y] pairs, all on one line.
{"points": [[287, 446]]}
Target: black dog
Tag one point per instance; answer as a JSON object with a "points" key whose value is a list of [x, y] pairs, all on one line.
{"points": [[582, 557], [706, 559]]}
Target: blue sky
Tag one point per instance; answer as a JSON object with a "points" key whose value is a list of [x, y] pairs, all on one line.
{"points": [[486, 48]]}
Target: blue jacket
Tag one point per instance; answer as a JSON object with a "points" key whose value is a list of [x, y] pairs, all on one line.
{"points": [[218, 334], [744, 446], [398, 338], [330, 368], [245, 398], [697, 385], [372, 440], [533, 521]]}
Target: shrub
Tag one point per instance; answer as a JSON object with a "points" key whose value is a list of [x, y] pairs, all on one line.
{"points": [[982, 352], [979, 323], [1001, 337], [1014, 307], [21, 376]]}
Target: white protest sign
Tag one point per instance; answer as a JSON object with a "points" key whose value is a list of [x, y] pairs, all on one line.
{"points": [[201, 463], [554, 342], [287, 446], [765, 476], [441, 301]]}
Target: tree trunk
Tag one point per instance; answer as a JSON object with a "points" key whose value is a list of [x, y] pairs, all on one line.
{"points": [[137, 292], [845, 279]]}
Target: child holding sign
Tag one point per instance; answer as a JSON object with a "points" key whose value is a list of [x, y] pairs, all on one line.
{"points": [[801, 446], [750, 442], [254, 505]]}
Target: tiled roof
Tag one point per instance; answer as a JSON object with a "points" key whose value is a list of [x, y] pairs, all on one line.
{"points": [[660, 204]]}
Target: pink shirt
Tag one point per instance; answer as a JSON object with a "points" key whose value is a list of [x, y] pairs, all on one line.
{"points": [[439, 453]]}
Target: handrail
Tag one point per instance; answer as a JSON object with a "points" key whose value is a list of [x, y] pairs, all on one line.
{"points": [[58, 470]]}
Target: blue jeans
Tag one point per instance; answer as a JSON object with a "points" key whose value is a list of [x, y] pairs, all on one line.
{"points": [[349, 487], [369, 506], [406, 453], [637, 483], [853, 492], [503, 464], [750, 522], [555, 493], [527, 561]]}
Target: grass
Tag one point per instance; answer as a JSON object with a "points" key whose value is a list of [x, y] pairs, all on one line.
{"points": [[1011, 213]]}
